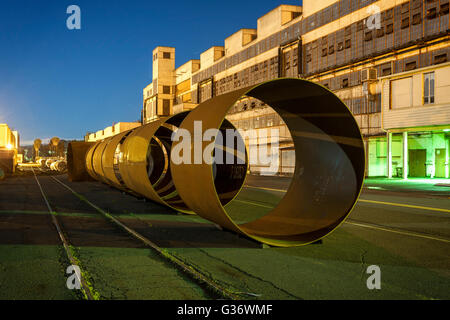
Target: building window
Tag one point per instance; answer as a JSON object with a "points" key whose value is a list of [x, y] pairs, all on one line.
{"points": [[368, 36], [405, 23], [410, 65], [166, 89], [295, 14], [256, 123], [440, 58], [386, 71], [405, 8], [431, 13], [380, 32], [428, 88], [444, 9], [389, 14], [331, 49], [389, 28], [348, 43], [359, 25], [416, 19], [344, 83], [166, 55]]}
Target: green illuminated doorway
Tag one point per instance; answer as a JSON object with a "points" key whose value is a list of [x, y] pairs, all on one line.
{"points": [[416, 162], [439, 163]]}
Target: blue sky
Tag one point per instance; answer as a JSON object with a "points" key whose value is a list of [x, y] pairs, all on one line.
{"points": [[60, 82]]}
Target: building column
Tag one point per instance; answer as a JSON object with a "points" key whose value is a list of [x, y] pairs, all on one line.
{"points": [[447, 173], [433, 158], [405, 155], [389, 154], [366, 148]]}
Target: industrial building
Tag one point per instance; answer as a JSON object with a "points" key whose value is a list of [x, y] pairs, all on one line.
{"points": [[9, 145], [110, 131], [386, 59]]}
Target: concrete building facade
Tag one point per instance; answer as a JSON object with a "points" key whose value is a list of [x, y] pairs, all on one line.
{"points": [[110, 131], [9, 146], [386, 59]]}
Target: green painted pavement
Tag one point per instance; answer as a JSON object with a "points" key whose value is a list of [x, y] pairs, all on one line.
{"points": [[29, 272]]}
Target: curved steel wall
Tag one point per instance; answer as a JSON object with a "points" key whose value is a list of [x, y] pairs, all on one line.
{"points": [[328, 176]]}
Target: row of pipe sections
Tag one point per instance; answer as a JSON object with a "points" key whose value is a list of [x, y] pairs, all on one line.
{"points": [[327, 180], [59, 165]]}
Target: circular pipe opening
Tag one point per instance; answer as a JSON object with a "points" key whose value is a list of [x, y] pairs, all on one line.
{"points": [[329, 164]]}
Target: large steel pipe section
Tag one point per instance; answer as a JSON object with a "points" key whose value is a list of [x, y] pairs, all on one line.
{"points": [[327, 180], [144, 162], [76, 160], [329, 164]]}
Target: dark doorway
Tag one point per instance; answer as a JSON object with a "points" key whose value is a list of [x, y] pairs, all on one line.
{"points": [[416, 162]]}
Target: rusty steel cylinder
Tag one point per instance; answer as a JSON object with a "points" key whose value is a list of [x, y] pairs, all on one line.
{"points": [[326, 183]]}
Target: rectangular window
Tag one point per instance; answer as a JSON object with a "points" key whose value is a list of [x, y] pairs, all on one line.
{"points": [[440, 58], [295, 15], [410, 65], [405, 23], [166, 55], [416, 19], [428, 88], [166, 89], [444, 9], [405, 8], [386, 71], [389, 14], [345, 83], [431, 13], [348, 43], [389, 28], [416, 4], [359, 26], [256, 122], [380, 32]]}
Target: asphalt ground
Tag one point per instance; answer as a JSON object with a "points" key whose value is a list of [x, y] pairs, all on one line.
{"points": [[410, 245], [117, 266]]}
